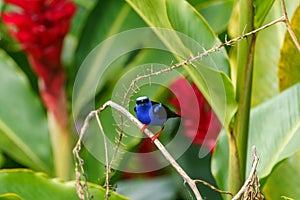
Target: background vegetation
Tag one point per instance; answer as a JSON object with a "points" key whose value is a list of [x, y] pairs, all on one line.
{"points": [[252, 85]]}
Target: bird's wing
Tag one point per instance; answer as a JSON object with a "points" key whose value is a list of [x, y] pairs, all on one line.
{"points": [[162, 110], [134, 109], [159, 111]]}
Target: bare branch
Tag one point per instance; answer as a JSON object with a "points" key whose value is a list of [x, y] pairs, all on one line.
{"points": [[82, 190], [213, 187], [106, 157]]}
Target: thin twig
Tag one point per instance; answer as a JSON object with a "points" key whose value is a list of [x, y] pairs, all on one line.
{"points": [[250, 177], [288, 25], [213, 187], [82, 190], [107, 171], [199, 56]]}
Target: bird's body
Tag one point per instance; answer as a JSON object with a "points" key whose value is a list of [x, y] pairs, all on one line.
{"points": [[152, 113]]}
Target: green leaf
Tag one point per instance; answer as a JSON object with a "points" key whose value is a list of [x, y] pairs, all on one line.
{"points": [[219, 162], [23, 123], [2, 159], [262, 8], [216, 13], [275, 130], [186, 33], [289, 70], [267, 54], [30, 185], [10, 196], [101, 54], [284, 180], [84, 8], [157, 188]]}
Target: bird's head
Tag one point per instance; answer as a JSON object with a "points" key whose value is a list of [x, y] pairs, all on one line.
{"points": [[143, 101]]}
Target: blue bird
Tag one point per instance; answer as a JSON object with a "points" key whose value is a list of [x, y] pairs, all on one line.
{"points": [[151, 113]]}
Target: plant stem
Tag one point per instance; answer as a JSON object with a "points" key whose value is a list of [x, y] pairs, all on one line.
{"points": [[244, 85], [234, 177], [61, 147], [61, 140]]}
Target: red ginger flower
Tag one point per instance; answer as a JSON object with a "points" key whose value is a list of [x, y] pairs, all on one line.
{"points": [[200, 122], [40, 26]]}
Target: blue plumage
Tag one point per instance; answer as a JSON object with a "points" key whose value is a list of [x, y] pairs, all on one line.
{"points": [[152, 113]]}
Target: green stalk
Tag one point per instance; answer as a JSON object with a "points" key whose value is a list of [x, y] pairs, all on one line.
{"points": [[245, 60], [61, 140], [234, 177]]}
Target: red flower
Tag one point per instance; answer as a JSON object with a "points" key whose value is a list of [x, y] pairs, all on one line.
{"points": [[201, 123], [40, 26]]}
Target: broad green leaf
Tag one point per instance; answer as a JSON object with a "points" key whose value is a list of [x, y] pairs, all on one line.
{"points": [[217, 13], [190, 26], [23, 123], [220, 162], [2, 159], [30, 185], [262, 9], [284, 180], [160, 188], [289, 70], [10, 196], [185, 33], [266, 58], [267, 54], [83, 10], [101, 56], [275, 130], [106, 19]]}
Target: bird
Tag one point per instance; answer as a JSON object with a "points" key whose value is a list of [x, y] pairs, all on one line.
{"points": [[152, 113]]}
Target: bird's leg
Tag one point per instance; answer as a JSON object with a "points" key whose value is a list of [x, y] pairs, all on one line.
{"points": [[157, 134], [144, 127]]}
